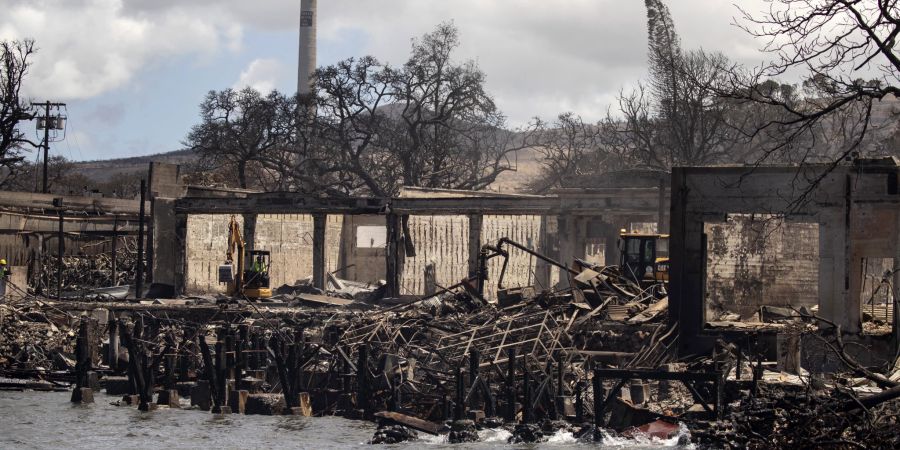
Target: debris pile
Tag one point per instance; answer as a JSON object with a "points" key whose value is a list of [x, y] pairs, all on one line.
{"points": [[34, 340], [593, 357], [83, 272]]}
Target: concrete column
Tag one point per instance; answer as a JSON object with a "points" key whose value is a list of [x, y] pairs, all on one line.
{"points": [[319, 268], [545, 247], [165, 241], [475, 222], [662, 219], [835, 274], [393, 258], [249, 232], [611, 251], [346, 243], [571, 238]]}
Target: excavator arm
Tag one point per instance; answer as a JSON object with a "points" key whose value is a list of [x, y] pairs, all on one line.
{"points": [[235, 245]]}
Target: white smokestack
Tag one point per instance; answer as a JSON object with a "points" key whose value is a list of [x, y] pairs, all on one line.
{"points": [[307, 63]]}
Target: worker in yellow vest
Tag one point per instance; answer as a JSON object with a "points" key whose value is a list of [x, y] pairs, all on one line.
{"points": [[4, 276]]}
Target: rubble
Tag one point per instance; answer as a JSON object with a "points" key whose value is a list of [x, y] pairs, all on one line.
{"points": [[84, 272], [593, 356]]}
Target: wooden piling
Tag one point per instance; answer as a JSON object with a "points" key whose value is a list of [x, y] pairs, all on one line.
{"points": [[459, 409], [511, 385], [527, 413], [362, 379], [579, 402], [599, 399], [209, 370]]}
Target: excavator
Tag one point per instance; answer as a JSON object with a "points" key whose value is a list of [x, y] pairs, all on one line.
{"points": [[644, 256], [251, 282]]}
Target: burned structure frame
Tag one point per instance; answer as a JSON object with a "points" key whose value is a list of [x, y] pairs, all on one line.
{"points": [[856, 207], [605, 210]]}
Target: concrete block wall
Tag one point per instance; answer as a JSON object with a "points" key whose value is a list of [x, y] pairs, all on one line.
{"points": [[443, 240], [205, 246], [520, 269], [760, 260]]}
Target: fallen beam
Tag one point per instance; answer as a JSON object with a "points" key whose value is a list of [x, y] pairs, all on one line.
{"points": [[409, 421]]}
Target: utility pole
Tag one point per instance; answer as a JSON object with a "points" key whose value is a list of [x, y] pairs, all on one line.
{"points": [[48, 122]]}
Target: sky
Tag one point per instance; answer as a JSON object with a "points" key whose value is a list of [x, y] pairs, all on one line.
{"points": [[133, 72]]}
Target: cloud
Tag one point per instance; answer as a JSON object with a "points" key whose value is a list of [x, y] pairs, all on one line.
{"points": [[89, 47], [262, 75], [108, 113], [540, 57]]}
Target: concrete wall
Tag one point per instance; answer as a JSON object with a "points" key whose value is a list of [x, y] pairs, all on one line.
{"points": [[443, 240], [760, 260], [521, 268], [365, 264]]}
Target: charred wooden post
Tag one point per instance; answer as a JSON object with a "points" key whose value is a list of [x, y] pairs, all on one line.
{"points": [[125, 336], [474, 360], [184, 353], [82, 393], [395, 400], [262, 354], [757, 375], [300, 350], [579, 402], [362, 379], [490, 402], [137, 363], [511, 385], [229, 356], [210, 372], [664, 387], [459, 409], [276, 348], [169, 382], [241, 351], [149, 379], [527, 412], [559, 379], [254, 356], [599, 401], [560, 403], [719, 387], [546, 393], [289, 385], [221, 369]]}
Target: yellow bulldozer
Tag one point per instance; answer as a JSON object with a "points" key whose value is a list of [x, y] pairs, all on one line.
{"points": [[249, 281], [645, 256]]}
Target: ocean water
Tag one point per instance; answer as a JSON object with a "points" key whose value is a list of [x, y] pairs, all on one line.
{"points": [[48, 420]]}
